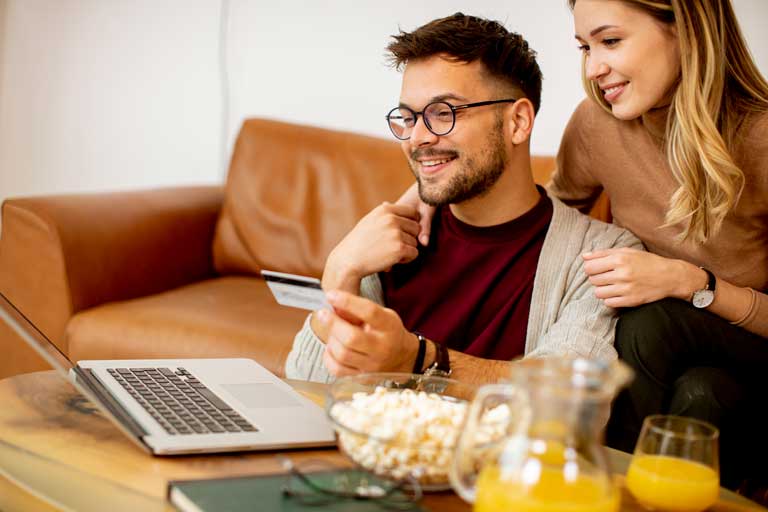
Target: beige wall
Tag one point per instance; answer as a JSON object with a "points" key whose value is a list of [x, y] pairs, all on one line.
{"points": [[118, 94], [3, 30]]}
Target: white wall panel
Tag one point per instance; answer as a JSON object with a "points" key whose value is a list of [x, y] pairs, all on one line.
{"points": [[117, 94]]}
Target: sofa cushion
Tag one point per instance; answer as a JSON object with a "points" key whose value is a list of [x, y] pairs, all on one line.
{"points": [[223, 317], [294, 191]]}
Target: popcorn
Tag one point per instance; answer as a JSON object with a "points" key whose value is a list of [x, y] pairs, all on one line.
{"points": [[400, 433]]}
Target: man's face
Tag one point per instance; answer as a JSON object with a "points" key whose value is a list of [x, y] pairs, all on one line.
{"points": [[469, 160]]}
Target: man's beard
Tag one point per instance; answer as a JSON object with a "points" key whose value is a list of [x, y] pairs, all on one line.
{"points": [[472, 180]]}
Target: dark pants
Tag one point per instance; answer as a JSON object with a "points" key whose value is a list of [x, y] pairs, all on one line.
{"points": [[689, 362]]}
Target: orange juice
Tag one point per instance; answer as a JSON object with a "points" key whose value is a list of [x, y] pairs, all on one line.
{"points": [[552, 493], [672, 484]]}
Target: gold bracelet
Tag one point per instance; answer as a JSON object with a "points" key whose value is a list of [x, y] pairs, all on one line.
{"points": [[750, 309]]}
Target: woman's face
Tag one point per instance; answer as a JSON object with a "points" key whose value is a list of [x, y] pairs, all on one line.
{"points": [[633, 58]]}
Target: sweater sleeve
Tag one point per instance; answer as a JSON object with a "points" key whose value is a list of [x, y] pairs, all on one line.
{"points": [[572, 181], [305, 361], [582, 325]]}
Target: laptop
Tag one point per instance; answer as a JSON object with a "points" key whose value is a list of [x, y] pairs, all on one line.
{"points": [[182, 406]]}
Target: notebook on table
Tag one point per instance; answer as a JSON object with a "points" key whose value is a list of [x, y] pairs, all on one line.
{"points": [[265, 492], [181, 406]]}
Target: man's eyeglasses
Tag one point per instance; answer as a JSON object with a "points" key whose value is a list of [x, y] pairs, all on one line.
{"points": [[318, 483], [439, 117]]}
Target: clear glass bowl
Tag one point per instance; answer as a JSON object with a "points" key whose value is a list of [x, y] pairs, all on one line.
{"points": [[399, 425]]}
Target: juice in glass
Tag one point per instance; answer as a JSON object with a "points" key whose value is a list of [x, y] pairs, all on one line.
{"points": [[552, 493], [672, 484]]}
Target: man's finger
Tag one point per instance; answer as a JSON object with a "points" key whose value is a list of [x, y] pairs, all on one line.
{"points": [[409, 226], [409, 240], [346, 356], [404, 210], [347, 334], [359, 309], [410, 254], [335, 368]]}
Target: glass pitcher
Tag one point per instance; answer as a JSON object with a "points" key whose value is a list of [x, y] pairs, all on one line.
{"points": [[534, 443]]}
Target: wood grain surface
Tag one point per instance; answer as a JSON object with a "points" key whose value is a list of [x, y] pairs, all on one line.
{"points": [[55, 445]]}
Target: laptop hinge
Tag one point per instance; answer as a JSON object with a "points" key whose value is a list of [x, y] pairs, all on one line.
{"points": [[87, 378]]}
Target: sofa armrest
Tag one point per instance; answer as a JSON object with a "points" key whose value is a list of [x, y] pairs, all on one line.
{"points": [[62, 254]]}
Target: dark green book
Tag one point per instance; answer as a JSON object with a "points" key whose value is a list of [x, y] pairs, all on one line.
{"points": [[265, 493]]}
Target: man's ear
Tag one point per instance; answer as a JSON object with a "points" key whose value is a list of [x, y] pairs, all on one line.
{"points": [[518, 121]]}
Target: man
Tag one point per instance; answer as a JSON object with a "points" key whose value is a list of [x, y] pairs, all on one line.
{"points": [[501, 277]]}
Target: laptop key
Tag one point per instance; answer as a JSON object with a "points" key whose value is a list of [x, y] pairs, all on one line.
{"points": [[179, 402], [211, 397]]}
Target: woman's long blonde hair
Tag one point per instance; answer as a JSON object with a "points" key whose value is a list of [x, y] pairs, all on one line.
{"points": [[719, 85]]}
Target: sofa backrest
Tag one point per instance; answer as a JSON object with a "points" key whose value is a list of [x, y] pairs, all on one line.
{"points": [[294, 191]]}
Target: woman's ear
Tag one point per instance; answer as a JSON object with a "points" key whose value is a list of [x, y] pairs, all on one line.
{"points": [[518, 121]]}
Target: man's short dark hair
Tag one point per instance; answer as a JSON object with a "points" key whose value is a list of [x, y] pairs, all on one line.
{"points": [[463, 38]]}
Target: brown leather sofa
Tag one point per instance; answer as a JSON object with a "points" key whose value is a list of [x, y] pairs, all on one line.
{"points": [[174, 272]]}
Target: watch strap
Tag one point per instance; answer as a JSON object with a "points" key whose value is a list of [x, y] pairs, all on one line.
{"points": [[711, 280], [418, 364], [441, 366]]}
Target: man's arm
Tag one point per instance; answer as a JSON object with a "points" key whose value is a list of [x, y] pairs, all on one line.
{"points": [[584, 325], [372, 338], [384, 237], [476, 370], [305, 360]]}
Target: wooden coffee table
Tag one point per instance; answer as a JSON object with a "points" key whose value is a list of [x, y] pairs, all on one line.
{"points": [[57, 451]]}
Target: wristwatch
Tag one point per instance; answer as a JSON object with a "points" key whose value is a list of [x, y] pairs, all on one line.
{"points": [[441, 366], [704, 297]]}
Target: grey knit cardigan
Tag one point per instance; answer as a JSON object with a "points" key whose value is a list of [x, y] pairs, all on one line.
{"points": [[565, 318]]}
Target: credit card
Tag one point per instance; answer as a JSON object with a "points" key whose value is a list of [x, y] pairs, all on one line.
{"points": [[296, 291]]}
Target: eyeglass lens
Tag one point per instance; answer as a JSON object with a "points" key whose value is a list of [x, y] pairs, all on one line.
{"points": [[317, 482], [438, 117]]}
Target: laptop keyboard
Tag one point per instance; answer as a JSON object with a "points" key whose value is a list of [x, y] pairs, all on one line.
{"points": [[180, 402]]}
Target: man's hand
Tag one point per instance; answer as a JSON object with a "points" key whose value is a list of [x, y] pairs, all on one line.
{"points": [[384, 237], [627, 277], [426, 212], [364, 337]]}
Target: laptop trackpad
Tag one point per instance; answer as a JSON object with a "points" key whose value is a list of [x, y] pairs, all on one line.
{"points": [[261, 395]]}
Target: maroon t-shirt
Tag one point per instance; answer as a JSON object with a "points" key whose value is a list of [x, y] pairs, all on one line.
{"points": [[471, 287]]}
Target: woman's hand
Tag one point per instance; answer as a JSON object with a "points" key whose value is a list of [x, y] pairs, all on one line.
{"points": [[411, 198], [628, 277]]}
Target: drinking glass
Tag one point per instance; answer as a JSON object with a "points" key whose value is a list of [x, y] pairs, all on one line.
{"points": [[675, 466]]}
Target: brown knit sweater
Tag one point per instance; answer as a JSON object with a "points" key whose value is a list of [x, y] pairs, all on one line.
{"points": [[627, 160]]}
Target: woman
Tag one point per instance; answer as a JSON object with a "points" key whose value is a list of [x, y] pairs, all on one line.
{"points": [[675, 131], [673, 85]]}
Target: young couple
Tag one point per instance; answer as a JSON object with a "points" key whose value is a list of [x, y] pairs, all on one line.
{"points": [[477, 266]]}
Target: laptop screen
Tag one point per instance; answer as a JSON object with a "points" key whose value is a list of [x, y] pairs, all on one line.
{"points": [[32, 336]]}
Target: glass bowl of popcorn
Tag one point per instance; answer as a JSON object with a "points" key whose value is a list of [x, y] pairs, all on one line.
{"points": [[398, 425]]}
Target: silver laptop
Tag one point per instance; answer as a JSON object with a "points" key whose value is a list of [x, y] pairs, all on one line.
{"points": [[178, 406]]}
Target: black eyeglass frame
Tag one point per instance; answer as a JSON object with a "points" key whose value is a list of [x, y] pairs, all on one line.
{"points": [[387, 497], [453, 109]]}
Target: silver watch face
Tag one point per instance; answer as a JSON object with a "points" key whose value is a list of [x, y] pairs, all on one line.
{"points": [[703, 298]]}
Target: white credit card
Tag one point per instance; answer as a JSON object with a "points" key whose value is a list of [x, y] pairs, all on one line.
{"points": [[296, 291]]}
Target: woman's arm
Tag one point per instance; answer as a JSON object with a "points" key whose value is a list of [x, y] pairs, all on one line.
{"points": [[627, 278]]}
